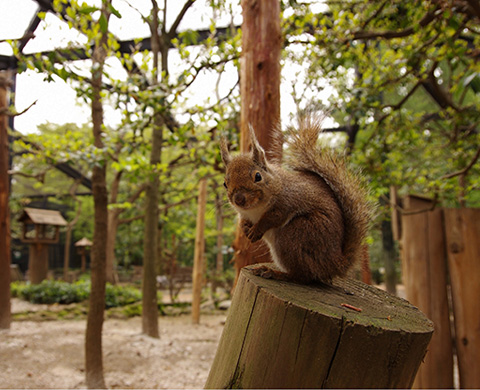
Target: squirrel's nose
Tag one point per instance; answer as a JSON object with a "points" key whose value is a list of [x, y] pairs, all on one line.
{"points": [[239, 199]]}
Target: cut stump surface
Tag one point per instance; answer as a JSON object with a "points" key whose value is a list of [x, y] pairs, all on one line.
{"points": [[346, 335]]}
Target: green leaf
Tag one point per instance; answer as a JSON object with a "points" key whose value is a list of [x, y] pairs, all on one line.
{"points": [[85, 9], [114, 11], [103, 23]]}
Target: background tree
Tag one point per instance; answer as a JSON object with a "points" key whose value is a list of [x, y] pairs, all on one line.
{"points": [[260, 92], [407, 86], [5, 315], [93, 338]]}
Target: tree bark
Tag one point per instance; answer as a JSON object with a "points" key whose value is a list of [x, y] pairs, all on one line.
{"points": [[347, 335], [260, 93], [198, 266], [93, 339], [5, 310]]}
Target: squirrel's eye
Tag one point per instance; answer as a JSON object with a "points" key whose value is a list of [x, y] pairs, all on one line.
{"points": [[225, 184], [258, 177]]}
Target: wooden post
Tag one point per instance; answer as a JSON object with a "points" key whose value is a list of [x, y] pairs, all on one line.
{"points": [[199, 251], [83, 254], [5, 314], [463, 231], [425, 278], [37, 263], [349, 335]]}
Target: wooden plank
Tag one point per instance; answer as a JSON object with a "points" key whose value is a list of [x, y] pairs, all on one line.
{"points": [[463, 232], [286, 335], [425, 279], [199, 251]]}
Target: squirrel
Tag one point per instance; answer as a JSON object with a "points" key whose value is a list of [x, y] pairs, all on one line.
{"points": [[314, 214]]}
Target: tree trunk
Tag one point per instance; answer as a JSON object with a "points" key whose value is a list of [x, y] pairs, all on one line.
{"points": [[5, 311], [348, 335], [93, 339], [150, 242], [149, 285], [198, 267], [260, 92]]}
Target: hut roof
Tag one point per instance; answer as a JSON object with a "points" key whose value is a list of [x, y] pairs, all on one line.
{"points": [[43, 217], [84, 242]]}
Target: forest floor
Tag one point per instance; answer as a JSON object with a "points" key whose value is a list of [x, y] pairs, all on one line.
{"points": [[50, 354]]}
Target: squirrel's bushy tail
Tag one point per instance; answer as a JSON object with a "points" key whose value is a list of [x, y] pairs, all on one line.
{"points": [[305, 154]]}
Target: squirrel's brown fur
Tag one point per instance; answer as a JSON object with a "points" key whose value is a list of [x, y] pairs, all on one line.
{"points": [[314, 216]]}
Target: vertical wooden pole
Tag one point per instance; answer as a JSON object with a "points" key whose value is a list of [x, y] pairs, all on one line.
{"points": [[260, 92], [83, 253], [38, 263], [199, 251], [463, 230], [219, 217], [5, 313], [425, 279]]}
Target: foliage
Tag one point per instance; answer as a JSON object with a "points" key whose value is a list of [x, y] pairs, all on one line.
{"points": [[405, 75], [49, 292], [189, 148]]}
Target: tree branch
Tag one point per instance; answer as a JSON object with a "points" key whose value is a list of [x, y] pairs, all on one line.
{"points": [[425, 21], [179, 18], [6, 111], [465, 170]]}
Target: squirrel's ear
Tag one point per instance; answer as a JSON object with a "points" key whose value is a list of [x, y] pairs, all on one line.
{"points": [[226, 158], [257, 150]]}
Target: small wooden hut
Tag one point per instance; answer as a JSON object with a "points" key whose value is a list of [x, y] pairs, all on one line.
{"points": [[40, 228]]}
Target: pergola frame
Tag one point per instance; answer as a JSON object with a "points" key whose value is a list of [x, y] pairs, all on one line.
{"points": [[10, 63]]}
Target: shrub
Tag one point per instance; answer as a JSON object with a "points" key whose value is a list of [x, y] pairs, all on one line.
{"points": [[49, 292], [121, 295]]}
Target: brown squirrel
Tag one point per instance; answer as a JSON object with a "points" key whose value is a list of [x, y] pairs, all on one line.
{"points": [[314, 216]]}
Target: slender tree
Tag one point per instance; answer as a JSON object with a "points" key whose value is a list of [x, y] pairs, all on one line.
{"points": [[93, 339], [161, 41]]}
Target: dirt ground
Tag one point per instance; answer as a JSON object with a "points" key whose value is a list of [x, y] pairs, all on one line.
{"points": [[50, 354]]}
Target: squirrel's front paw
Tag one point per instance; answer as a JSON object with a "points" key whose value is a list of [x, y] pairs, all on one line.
{"points": [[246, 225], [253, 234], [250, 231]]}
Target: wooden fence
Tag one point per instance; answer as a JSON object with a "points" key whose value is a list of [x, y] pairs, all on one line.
{"points": [[441, 271]]}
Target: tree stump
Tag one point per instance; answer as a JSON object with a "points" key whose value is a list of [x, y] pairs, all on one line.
{"points": [[346, 335]]}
